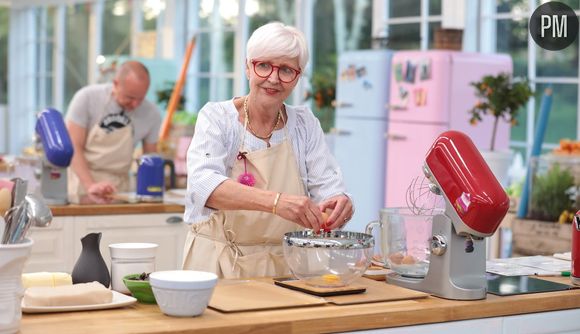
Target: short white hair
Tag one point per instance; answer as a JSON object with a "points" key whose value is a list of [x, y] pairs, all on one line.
{"points": [[275, 40]]}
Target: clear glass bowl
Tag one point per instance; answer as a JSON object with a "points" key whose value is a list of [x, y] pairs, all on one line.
{"points": [[406, 240], [328, 259]]}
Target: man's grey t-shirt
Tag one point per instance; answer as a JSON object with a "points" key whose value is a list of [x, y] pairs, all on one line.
{"points": [[90, 104]]}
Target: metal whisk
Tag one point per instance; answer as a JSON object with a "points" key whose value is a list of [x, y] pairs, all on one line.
{"points": [[423, 197]]}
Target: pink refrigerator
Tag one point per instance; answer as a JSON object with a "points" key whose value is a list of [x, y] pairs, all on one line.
{"points": [[430, 93]]}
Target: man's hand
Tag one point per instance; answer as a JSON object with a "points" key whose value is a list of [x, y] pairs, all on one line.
{"points": [[101, 189]]}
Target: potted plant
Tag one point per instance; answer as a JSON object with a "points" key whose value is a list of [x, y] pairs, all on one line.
{"points": [[182, 122], [500, 97], [323, 90]]}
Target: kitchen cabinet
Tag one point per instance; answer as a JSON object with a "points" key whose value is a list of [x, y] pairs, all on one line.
{"points": [[57, 247], [53, 245]]}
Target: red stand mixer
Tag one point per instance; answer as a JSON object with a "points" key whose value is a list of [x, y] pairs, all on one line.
{"points": [[475, 204]]}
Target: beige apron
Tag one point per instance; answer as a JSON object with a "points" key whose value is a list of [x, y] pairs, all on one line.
{"points": [[109, 157], [243, 243]]}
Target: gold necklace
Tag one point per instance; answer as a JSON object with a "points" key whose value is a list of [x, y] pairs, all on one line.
{"points": [[250, 125]]}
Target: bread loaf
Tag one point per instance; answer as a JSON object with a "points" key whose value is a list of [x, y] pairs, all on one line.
{"points": [[68, 295]]}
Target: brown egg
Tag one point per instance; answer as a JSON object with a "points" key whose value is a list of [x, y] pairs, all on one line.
{"points": [[396, 258], [408, 259], [324, 217]]}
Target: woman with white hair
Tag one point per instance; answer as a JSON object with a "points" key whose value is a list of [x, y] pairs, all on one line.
{"points": [[258, 168]]}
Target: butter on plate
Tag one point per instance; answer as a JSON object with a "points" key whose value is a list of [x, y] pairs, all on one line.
{"points": [[68, 295], [45, 279]]}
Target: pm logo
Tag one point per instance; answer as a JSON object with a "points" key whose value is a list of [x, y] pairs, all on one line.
{"points": [[554, 26]]}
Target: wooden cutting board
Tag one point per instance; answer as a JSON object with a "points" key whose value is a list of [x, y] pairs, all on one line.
{"points": [[377, 291], [236, 296]]}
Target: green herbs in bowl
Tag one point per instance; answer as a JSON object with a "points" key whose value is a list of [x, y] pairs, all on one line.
{"points": [[140, 288]]}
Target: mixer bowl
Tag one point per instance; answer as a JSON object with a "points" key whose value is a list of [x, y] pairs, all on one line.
{"points": [[406, 239], [328, 259]]}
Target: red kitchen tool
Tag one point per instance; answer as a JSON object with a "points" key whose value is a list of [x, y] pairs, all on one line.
{"points": [[576, 249], [475, 204]]}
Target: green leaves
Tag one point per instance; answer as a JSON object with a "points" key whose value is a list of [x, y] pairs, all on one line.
{"points": [[499, 97], [550, 193]]}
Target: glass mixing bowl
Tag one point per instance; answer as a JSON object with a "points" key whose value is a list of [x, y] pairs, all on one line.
{"points": [[406, 239], [328, 259]]}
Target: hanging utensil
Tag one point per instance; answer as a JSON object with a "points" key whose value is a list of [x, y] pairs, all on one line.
{"points": [[20, 224], [40, 213]]}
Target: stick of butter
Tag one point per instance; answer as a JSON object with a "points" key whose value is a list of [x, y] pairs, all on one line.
{"points": [[46, 279]]}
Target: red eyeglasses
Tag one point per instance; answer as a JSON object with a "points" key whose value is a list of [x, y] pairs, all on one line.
{"points": [[264, 69]]}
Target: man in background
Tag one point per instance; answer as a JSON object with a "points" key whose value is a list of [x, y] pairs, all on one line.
{"points": [[105, 123]]}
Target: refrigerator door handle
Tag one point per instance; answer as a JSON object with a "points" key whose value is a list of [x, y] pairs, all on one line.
{"points": [[340, 104], [395, 107], [396, 137], [340, 132]]}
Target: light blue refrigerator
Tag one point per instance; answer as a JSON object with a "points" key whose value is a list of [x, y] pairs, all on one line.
{"points": [[362, 95]]}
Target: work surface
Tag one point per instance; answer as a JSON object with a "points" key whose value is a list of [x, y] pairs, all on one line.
{"points": [[114, 209], [140, 318]]}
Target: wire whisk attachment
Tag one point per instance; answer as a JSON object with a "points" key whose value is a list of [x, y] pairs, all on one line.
{"points": [[424, 197]]}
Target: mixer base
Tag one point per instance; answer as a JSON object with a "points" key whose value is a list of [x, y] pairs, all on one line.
{"points": [[454, 274]]}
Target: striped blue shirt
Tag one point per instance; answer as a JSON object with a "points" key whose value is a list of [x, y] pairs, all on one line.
{"points": [[216, 142]]}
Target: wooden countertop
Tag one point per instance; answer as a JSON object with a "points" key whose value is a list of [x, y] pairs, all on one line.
{"points": [[140, 318], [114, 209]]}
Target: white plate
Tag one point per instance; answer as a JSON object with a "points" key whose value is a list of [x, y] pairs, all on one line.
{"points": [[119, 300]]}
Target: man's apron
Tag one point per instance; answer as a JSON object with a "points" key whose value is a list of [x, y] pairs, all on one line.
{"points": [[109, 155], [243, 243]]}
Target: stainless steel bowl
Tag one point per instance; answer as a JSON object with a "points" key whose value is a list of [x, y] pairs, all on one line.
{"points": [[328, 259]]}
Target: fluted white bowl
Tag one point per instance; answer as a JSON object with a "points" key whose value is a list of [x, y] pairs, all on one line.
{"points": [[182, 293]]}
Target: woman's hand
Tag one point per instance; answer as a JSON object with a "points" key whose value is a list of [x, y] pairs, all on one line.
{"points": [[301, 210], [342, 210]]}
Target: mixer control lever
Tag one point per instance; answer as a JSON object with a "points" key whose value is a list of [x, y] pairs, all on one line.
{"points": [[438, 245], [469, 245]]}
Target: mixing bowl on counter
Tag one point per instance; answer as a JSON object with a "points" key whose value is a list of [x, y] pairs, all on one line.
{"points": [[328, 259], [182, 293]]}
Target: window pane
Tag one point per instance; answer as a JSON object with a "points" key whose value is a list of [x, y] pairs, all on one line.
{"points": [[518, 132], [223, 49], [512, 6], [404, 37], [562, 63], [203, 95], [117, 28], [512, 38], [404, 8], [151, 11], [574, 4], [4, 24], [214, 89], [218, 12], [563, 114], [435, 7], [432, 27], [76, 50], [261, 12]]}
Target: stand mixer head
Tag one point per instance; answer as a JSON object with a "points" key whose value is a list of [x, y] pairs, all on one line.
{"points": [[58, 151], [475, 204]]}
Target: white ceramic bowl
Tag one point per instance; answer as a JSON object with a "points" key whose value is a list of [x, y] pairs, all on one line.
{"points": [[182, 293]]}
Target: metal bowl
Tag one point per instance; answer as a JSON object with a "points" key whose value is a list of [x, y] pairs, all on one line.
{"points": [[328, 259]]}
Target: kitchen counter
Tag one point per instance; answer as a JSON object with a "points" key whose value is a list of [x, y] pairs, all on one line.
{"points": [[114, 209], [140, 318]]}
